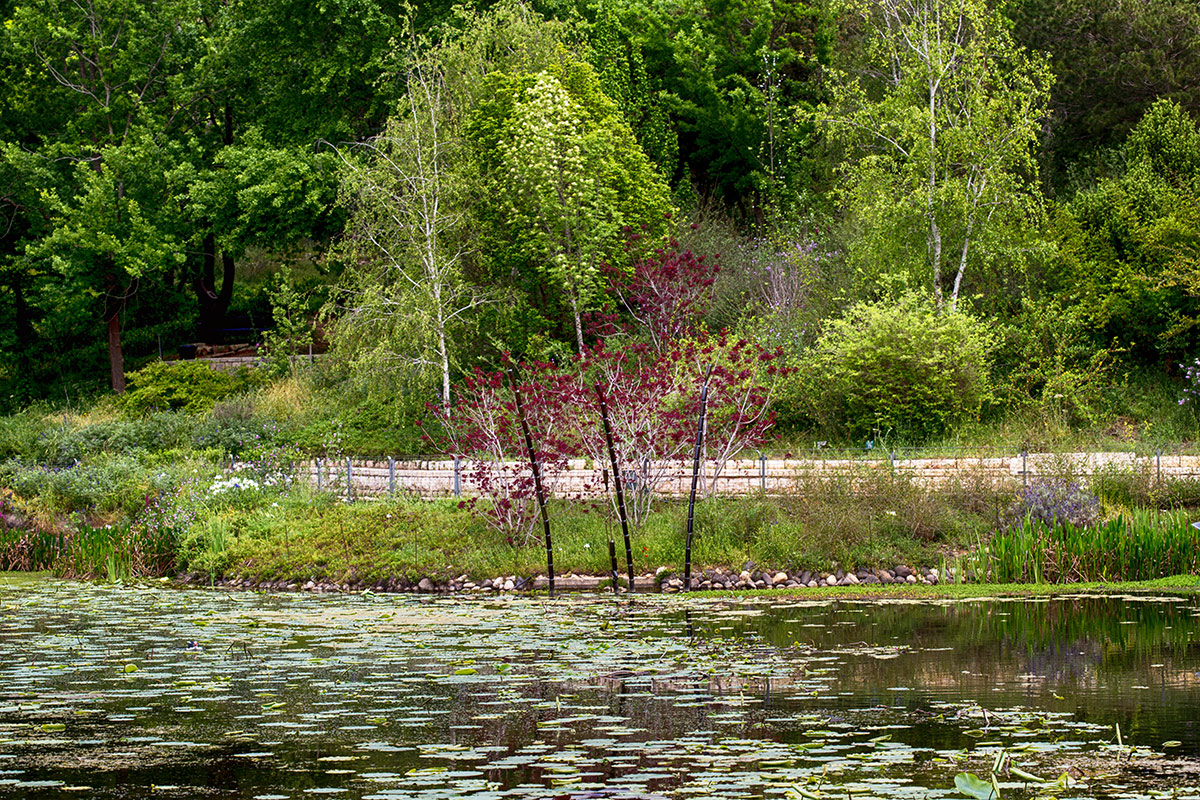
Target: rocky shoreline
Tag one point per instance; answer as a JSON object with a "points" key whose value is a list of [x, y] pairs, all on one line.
{"points": [[663, 581]]}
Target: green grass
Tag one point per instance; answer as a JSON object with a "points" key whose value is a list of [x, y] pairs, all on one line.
{"points": [[303, 535]]}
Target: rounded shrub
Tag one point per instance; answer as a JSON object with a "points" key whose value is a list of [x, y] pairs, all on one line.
{"points": [[183, 385], [902, 368]]}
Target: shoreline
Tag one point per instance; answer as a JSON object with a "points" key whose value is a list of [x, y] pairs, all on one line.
{"points": [[595, 586]]}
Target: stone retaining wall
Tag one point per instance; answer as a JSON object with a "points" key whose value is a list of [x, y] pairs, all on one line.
{"points": [[437, 478]]}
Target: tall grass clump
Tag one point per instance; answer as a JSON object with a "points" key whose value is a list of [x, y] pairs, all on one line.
{"points": [[1140, 485], [1135, 546]]}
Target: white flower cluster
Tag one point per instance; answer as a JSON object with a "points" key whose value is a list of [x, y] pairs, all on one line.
{"points": [[234, 483]]}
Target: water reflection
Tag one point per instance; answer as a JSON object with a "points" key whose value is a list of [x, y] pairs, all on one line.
{"points": [[253, 696]]}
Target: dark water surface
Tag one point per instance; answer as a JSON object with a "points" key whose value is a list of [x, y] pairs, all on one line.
{"points": [[148, 692]]}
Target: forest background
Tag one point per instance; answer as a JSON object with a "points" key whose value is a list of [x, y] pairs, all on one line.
{"points": [[949, 220]]}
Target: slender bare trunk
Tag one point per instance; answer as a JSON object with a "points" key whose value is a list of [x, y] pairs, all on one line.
{"points": [[443, 354], [935, 233], [578, 321], [116, 360]]}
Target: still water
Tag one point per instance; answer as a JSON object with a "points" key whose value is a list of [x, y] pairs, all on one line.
{"points": [[153, 692]]}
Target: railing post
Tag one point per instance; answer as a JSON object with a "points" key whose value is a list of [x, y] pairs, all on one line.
{"points": [[391, 475], [457, 477], [349, 481], [762, 472], [1024, 469], [319, 481]]}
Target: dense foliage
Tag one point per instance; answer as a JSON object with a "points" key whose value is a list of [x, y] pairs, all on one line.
{"points": [[940, 211]]}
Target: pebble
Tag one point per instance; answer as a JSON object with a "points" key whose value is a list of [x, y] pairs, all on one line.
{"points": [[748, 578]]}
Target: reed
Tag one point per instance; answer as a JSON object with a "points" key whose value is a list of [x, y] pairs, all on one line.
{"points": [[1135, 546]]}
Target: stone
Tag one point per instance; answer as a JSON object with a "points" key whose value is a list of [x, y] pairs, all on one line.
{"points": [[870, 579], [425, 585], [911, 578], [579, 583], [902, 572], [780, 577], [812, 584], [509, 585], [745, 576], [852, 579], [805, 577], [675, 583], [831, 580], [487, 583]]}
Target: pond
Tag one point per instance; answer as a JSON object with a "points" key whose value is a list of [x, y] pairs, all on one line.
{"points": [[110, 691]]}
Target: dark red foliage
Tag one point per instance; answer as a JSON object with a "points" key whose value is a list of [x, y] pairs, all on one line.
{"points": [[667, 292], [653, 400], [483, 429]]}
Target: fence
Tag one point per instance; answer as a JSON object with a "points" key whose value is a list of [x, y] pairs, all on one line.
{"points": [[425, 478]]}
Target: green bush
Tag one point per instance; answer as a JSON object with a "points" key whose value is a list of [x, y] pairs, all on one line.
{"points": [[183, 385], [19, 434], [902, 368]]}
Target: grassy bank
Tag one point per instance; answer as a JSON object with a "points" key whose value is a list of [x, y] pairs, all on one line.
{"points": [[306, 536], [115, 490]]}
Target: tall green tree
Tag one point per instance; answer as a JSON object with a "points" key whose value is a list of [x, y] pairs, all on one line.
{"points": [[1113, 60], [736, 78], [569, 176], [404, 296], [942, 122], [1131, 242], [94, 92]]}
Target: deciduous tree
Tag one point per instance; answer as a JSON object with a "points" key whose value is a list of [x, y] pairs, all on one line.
{"points": [[943, 123]]}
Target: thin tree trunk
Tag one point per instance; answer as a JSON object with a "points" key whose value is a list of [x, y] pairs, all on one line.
{"points": [[578, 322], [116, 359], [444, 354]]}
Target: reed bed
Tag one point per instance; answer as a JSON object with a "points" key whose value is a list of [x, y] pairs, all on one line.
{"points": [[1138, 545], [116, 552]]}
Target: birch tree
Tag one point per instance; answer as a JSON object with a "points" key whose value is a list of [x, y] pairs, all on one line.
{"points": [[406, 292], [943, 122]]}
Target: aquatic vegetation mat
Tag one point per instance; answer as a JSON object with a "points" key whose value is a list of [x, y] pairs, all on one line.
{"points": [[109, 691]]}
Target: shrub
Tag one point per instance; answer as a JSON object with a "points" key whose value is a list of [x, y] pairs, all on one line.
{"points": [[1055, 501], [902, 367], [19, 434], [183, 385]]}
